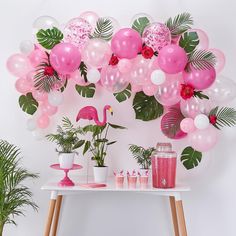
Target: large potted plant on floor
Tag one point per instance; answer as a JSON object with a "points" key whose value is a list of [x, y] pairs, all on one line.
{"points": [[68, 141], [97, 147], [14, 195]]}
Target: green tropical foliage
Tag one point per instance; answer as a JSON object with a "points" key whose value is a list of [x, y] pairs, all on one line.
{"points": [[200, 95], [86, 91], [50, 37], [123, 95], [147, 107], [189, 41], [28, 103], [14, 195], [83, 71], [142, 155], [140, 24], [190, 158], [104, 29]]}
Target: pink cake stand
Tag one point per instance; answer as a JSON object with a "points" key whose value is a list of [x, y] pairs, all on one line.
{"points": [[66, 181]]}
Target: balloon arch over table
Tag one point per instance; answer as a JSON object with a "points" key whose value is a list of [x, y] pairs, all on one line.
{"points": [[165, 64]]}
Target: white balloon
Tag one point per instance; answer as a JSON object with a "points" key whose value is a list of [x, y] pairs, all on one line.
{"points": [[55, 98], [158, 77], [38, 134], [44, 22], [26, 47], [31, 124], [93, 75], [201, 121]]}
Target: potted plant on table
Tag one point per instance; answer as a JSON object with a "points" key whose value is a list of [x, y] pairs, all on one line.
{"points": [[67, 140], [98, 146], [14, 195], [142, 156]]}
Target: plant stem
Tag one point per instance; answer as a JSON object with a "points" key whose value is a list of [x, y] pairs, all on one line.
{"points": [[1, 228]]}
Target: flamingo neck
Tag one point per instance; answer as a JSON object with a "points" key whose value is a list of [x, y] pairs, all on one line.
{"points": [[104, 118]]}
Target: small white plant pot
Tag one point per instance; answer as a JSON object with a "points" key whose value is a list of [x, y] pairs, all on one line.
{"points": [[100, 174], [66, 160]]}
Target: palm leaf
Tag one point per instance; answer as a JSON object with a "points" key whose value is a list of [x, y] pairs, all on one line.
{"points": [[190, 158], [225, 116], [123, 95], [50, 37], [189, 41], [83, 71], [201, 60], [179, 24], [104, 29], [28, 103], [140, 24]]}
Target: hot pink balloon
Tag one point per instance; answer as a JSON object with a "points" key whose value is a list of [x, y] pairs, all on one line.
{"points": [[150, 89], [23, 86], [40, 96], [172, 59], [18, 65], [125, 65], [200, 79], [65, 58], [187, 125], [126, 43], [203, 140], [37, 56], [43, 121], [220, 59], [48, 109], [203, 39]]}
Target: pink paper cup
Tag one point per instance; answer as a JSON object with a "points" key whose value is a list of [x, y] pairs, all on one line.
{"points": [[143, 181], [120, 181], [132, 181]]}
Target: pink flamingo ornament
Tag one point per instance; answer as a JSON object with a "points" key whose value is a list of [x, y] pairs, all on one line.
{"points": [[90, 113]]}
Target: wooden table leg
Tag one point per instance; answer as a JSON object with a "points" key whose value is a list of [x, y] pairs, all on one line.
{"points": [[57, 215], [50, 213], [174, 215], [181, 218]]}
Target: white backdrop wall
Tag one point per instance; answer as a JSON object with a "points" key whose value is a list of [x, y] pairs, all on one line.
{"points": [[210, 206]]}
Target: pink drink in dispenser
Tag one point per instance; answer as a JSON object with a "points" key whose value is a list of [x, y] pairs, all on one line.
{"points": [[164, 167]]}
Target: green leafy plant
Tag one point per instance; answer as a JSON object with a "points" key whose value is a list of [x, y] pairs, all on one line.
{"points": [[189, 41], [104, 29], [225, 116], [142, 155], [190, 158], [140, 24], [181, 23], [28, 103], [83, 71], [99, 143], [67, 137], [200, 95], [147, 107], [50, 37], [123, 95], [14, 195], [86, 91]]}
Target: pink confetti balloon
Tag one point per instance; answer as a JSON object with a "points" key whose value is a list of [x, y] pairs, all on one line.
{"points": [[48, 109], [172, 59], [150, 89], [113, 80], [43, 121], [200, 79], [18, 65], [187, 125], [220, 59], [90, 17], [36, 57], [23, 86], [203, 140], [97, 53], [168, 93], [126, 43], [157, 36], [203, 39], [65, 58], [40, 96], [77, 32], [125, 66]]}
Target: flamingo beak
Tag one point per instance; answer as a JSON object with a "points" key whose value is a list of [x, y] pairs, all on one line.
{"points": [[110, 110]]}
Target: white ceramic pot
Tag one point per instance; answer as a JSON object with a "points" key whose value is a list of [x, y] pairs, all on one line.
{"points": [[100, 174], [66, 160]]}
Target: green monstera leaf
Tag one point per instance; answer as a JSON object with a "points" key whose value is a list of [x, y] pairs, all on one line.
{"points": [[87, 91], [123, 95], [190, 158], [147, 107], [140, 24], [189, 41], [28, 104]]}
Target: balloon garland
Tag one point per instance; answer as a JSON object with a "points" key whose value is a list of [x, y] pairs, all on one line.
{"points": [[164, 64]]}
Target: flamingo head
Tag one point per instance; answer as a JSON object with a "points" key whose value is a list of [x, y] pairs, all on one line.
{"points": [[108, 107]]}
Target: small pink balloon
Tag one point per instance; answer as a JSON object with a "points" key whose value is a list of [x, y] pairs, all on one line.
{"points": [[43, 121], [48, 109], [40, 96], [77, 78], [18, 65], [150, 89], [220, 59], [126, 43], [65, 58], [172, 59], [187, 125], [203, 140], [136, 88], [125, 65], [23, 86], [30, 77], [90, 17], [203, 39], [37, 56], [200, 79]]}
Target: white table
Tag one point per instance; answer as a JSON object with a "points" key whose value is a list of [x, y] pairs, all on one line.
{"points": [[57, 194]]}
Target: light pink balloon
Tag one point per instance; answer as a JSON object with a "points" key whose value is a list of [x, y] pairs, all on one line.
{"points": [[97, 53], [172, 59], [200, 79], [40, 96], [126, 43], [113, 80], [48, 109], [150, 89], [136, 88], [187, 125], [203, 140], [220, 59], [43, 121], [65, 58], [77, 78], [125, 65], [37, 56], [90, 17], [168, 93], [30, 77], [18, 65], [203, 39], [23, 86]]}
